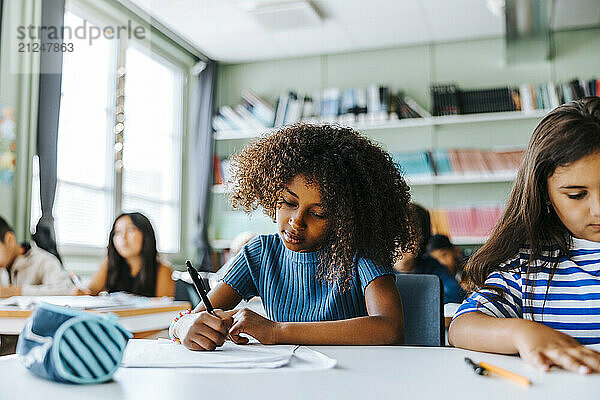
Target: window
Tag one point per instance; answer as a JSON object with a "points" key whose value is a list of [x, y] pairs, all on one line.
{"points": [[152, 143], [93, 186], [83, 207]]}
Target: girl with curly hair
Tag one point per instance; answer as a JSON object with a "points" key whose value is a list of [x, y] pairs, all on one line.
{"points": [[537, 279], [341, 208]]}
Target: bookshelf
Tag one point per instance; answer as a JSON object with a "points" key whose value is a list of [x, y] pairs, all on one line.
{"points": [[471, 64], [405, 123], [453, 179], [484, 130]]}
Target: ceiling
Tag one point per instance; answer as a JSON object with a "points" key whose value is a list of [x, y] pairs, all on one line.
{"points": [[224, 30]]}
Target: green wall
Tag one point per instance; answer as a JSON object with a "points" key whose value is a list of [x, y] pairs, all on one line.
{"points": [[470, 64]]}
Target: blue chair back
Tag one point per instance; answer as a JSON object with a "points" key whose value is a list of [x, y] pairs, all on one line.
{"points": [[423, 306]]}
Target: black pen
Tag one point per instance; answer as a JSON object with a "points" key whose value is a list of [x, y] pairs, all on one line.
{"points": [[484, 368], [478, 369], [199, 287], [201, 291]]}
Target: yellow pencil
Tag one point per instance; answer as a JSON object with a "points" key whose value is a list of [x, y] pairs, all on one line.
{"points": [[506, 374]]}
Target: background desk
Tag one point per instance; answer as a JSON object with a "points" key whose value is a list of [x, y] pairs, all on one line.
{"points": [[384, 372], [141, 321]]}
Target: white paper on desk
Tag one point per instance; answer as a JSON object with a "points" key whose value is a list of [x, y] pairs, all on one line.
{"points": [[85, 302], [144, 353], [80, 302]]}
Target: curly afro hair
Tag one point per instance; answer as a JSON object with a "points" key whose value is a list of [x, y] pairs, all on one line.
{"points": [[363, 193]]}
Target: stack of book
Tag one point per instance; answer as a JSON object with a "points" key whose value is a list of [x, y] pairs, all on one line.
{"points": [[252, 114], [450, 100], [442, 162], [355, 105], [550, 95], [468, 222]]}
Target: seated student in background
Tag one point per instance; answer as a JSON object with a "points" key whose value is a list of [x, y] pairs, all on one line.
{"points": [[132, 264], [537, 278], [30, 271], [441, 248], [326, 277], [419, 262]]}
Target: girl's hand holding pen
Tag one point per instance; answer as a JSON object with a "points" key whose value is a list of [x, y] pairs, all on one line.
{"points": [[207, 331]]}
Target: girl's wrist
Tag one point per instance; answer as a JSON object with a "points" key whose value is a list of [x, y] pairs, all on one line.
{"points": [[279, 332], [520, 331], [182, 326]]}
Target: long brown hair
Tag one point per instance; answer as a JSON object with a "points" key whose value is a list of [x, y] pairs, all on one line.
{"points": [[565, 135], [119, 271]]}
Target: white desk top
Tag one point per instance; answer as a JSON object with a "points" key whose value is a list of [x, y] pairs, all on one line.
{"points": [[362, 373]]}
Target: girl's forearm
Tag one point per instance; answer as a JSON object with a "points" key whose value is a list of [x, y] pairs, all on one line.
{"points": [[370, 330], [481, 332]]}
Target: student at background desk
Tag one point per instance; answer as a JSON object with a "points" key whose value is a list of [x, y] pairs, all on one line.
{"points": [[27, 269], [421, 263], [132, 263]]}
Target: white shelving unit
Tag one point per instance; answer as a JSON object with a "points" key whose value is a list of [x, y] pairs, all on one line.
{"points": [[456, 179], [453, 179], [403, 123], [435, 182]]}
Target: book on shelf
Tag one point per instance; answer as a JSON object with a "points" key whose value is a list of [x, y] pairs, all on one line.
{"points": [[258, 107], [221, 170], [294, 108], [444, 162], [448, 99], [330, 102], [466, 222], [281, 105], [248, 117], [414, 164], [372, 105], [217, 171], [252, 113]]}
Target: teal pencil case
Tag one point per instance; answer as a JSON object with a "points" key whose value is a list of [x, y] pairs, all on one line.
{"points": [[72, 346]]}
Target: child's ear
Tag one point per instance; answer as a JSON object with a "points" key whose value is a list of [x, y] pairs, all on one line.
{"points": [[9, 239]]}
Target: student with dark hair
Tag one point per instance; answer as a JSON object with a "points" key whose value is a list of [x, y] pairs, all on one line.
{"points": [[30, 270], [419, 262], [132, 263], [441, 248], [536, 280]]}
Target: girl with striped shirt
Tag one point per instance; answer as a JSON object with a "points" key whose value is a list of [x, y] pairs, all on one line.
{"points": [[537, 279], [341, 209]]}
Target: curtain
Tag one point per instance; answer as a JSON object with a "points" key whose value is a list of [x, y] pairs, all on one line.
{"points": [[47, 131], [19, 78], [0, 24], [203, 155]]}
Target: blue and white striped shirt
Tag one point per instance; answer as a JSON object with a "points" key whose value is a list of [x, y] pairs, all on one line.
{"points": [[572, 302], [287, 283]]}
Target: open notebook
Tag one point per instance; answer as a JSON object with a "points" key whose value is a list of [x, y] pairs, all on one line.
{"points": [[144, 353]]}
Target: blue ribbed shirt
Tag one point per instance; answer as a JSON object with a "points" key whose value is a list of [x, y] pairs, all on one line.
{"points": [[568, 302], [287, 283]]}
